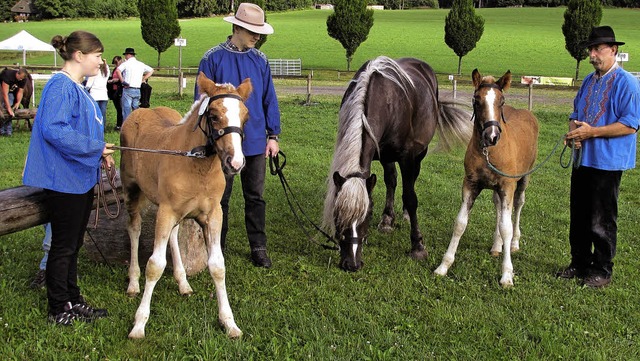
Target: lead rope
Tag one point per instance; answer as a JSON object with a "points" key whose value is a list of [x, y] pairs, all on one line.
{"points": [[110, 176]]}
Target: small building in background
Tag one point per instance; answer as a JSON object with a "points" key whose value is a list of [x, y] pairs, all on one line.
{"points": [[25, 10]]}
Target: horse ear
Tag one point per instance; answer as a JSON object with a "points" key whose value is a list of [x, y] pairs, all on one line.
{"points": [[371, 182], [338, 180], [204, 84], [476, 77], [245, 88], [505, 81]]}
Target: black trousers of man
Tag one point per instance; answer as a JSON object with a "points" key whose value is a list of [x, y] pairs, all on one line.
{"points": [[594, 215]]}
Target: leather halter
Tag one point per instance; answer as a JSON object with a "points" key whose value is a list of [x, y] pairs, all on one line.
{"points": [[211, 133]]}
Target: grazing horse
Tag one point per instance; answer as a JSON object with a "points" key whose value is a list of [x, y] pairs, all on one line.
{"points": [[506, 138], [182, 187], [389, 112]]}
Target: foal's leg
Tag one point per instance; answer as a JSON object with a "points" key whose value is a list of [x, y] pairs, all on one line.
{"points": [[469, 195], [211, 230], [519, 200], [506, 231], [179, 273], [496, 249], [165, 221], [133, 201], [388, 214]]}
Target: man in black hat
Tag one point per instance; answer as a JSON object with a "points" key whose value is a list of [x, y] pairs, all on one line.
{"points": [[603, 127], [133, 73]]}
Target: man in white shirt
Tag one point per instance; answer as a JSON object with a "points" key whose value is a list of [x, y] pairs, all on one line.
{"points": [[134, 73]]}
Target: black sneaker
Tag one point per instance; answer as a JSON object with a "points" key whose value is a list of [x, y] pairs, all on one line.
{"points": [[66, 317], [88, 313], [40, 280]]}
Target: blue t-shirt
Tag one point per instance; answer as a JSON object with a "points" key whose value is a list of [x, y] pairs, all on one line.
{"points": [[67, 139], [226, 64], [614, 97]]}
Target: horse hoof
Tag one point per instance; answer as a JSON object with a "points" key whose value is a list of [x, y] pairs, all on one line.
{"points": [[515, 249], [186, 291], [506, 282], [419, 255], [234, 333], [440, 271], [385, 228], [136, 334], [133, 294], [495, 253]]}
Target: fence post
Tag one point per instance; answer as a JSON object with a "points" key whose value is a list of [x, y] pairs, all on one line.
{"points": [[530, 96], [309, 88]]}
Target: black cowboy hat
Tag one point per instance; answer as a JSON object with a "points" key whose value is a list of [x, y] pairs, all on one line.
{"points": [[601, 35], [129, 51]]}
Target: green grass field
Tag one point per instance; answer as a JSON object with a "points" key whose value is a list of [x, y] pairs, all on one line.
{"points": [[528, 41], [304, 307]]}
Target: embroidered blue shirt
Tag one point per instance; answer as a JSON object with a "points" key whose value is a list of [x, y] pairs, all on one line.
{"points": [[67, 139], [225, 63], [614, 97]]}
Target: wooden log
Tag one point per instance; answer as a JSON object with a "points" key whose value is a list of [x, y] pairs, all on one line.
{"points": [[23, 207], [109, 242]]}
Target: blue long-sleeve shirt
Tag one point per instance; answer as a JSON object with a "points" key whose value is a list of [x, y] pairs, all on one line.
{"points": [[67, 139], [614, 97], [226, 64]]}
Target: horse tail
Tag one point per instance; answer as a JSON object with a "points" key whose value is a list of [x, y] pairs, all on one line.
{"points": [[455, 125]]}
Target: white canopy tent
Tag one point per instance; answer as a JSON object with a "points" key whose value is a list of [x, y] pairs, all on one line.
{"points": [[26, 42]]}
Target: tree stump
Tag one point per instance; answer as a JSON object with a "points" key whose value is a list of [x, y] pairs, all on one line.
{"points": [[25, 114], [109, 242]]}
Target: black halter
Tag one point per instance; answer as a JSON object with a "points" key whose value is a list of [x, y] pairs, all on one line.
{"points": [[211, 133]]}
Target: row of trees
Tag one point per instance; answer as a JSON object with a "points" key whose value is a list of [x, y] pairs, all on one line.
{"points": [[351, 21]]}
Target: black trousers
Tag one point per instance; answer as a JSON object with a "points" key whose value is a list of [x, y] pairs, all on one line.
{"points": [[117, 104], [252, 178], [69, 215], [594, 215]]}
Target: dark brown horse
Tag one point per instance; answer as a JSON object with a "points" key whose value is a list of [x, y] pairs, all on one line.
{"points": [[182, 187], [506, 138], [390, 112]]}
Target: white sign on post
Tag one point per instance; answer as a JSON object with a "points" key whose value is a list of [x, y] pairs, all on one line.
{"points": [[180, 42], [621, 57]]}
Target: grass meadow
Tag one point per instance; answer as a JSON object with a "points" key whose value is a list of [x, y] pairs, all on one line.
{"points": [[528, 41], [304, 307]]}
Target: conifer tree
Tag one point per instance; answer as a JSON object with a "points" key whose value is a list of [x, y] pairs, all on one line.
{"points": [[350, 24], [159, 23], [462, 28], [579, 18]]}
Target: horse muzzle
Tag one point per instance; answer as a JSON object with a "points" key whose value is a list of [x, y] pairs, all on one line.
{"points": [[351, 254], [491, 133]]}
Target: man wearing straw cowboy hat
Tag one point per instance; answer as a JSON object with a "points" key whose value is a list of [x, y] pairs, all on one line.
{"points": [[603, 126], [231, 62]]}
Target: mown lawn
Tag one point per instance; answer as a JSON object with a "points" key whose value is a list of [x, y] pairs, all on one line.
{"points": [[304, 307]]}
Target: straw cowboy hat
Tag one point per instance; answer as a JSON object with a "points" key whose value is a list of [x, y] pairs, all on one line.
{"points": [[251, 17], [602, 35]]}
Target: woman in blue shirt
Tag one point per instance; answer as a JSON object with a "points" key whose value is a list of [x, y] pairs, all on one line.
{"points": [[65, 153]]}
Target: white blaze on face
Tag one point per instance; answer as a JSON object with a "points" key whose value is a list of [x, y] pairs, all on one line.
{"points": [[233, 116], [491, 99], [354, 231]]}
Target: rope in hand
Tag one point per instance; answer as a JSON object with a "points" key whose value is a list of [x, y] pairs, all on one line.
{"points": [[276, 169], [576, 155], [110, 176]]}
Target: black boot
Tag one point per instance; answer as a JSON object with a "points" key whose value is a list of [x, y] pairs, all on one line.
{"points": [[260, 258]]}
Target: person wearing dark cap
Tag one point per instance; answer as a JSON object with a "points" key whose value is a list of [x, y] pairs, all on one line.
{"points": [[134, 73], [231, 62], [603, 128]]}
